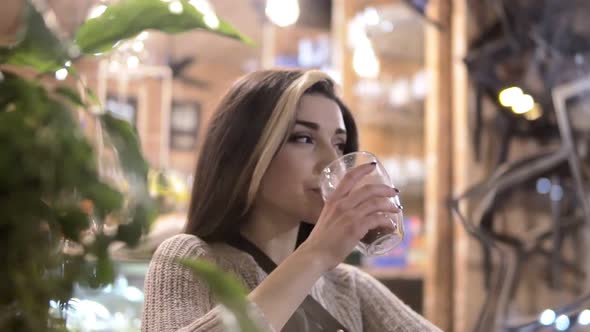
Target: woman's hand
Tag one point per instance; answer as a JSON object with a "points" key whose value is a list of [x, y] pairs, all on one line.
{"points": [[348, 215]]}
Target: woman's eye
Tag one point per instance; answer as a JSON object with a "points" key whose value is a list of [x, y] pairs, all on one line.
{"points": [[301, 139]]}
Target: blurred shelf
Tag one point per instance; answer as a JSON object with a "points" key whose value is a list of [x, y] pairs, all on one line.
{"points": [[406, 122], [390, 273], [413, 189]]}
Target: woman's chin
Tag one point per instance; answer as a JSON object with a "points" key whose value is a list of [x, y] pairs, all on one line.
{"points": [[312, 217], [312, 211]]}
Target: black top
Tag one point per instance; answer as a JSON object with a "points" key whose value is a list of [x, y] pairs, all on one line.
{"points": [[310, 316]]}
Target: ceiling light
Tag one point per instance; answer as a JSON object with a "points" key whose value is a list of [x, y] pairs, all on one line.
{"points": [[132, 61], [282, 12], [386, 26], [364, 60], [114, 66], [371, 16]]}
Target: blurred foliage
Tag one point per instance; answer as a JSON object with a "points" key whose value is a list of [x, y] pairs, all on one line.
{"points": [[227, 290], [129, 18], [38, 47], [62, 202], [170, 190]]}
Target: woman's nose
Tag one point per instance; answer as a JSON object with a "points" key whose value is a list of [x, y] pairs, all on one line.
{"points": [[328, 155]]}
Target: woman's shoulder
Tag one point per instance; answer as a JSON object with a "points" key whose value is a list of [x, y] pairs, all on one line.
{"points": [[191, 246], [183, 245]]}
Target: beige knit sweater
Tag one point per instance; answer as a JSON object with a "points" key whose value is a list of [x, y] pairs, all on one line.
{"points": [[177, 301]]}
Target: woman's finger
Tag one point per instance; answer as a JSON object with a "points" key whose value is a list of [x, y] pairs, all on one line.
{"points": [[375, 205], [369, 191], [350, 179]]}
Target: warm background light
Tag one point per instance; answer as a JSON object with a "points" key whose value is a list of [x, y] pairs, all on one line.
{"points": [[523, 104], [508, 97], [282, 12], [364, 60]]}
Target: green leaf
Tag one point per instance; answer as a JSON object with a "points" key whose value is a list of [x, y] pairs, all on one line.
{"points": [[105, 198], [226, 289], [72, 222], [70, 94], [39, 49], [128, 18], [100, 270], [9, 91], [131, 233], [92, 97], [105, 271], [99, 273], [124, 138]]}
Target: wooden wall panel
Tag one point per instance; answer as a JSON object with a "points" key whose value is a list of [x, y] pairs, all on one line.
{"points": [[438, 126]]}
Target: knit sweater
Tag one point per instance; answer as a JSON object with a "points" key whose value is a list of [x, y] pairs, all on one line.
{"points": [[176, 300]]}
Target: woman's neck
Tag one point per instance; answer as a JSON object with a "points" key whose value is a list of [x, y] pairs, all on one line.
{"points": [[276, 238]]}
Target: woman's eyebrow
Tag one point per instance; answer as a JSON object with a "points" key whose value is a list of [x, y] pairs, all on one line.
{"points": [[315, 126], [310, 125]]}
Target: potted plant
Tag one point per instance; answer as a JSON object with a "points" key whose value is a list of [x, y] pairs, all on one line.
{"points": [[58, 211]]}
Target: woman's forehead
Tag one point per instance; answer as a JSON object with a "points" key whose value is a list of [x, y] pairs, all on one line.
{"points": [[321, 110]]}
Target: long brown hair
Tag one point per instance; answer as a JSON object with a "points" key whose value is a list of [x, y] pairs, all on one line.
{"points": [[248, 128]]}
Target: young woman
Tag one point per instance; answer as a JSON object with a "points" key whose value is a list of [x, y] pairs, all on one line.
{"points": [[257, 211]]}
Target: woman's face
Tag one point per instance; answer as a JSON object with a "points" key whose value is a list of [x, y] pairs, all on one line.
{"points": [[290, 186]]}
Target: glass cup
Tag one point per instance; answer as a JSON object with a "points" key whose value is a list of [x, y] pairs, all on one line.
{"points": [[382, 239]]}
